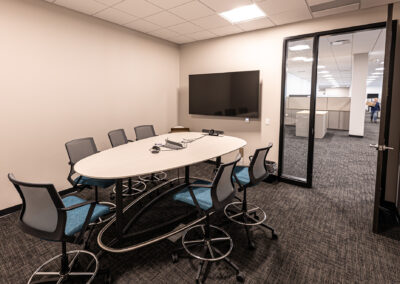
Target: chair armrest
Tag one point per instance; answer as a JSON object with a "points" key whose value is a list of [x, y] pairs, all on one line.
{"points": [[78, 205]]}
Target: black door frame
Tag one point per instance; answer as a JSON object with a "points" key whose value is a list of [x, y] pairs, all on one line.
{"points": [[310, 155]]}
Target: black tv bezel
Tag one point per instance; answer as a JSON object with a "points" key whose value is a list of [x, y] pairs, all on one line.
{"points": [[229, 116]]}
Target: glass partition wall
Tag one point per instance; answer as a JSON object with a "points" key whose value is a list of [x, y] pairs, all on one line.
{"points": [[318, 78]]}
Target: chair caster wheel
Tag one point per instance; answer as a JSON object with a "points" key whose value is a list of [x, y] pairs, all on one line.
{"points": [[252, 246], [274, 236], [240, 277], [175, 258]]}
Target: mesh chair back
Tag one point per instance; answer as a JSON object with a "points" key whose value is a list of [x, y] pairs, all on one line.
{"points": [[117, 137], [223, 189], [40, 216], [144, 131], [80, 148], [258, 168]]}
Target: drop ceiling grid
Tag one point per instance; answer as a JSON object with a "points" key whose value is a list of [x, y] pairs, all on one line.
{"points": [[183, 21]]}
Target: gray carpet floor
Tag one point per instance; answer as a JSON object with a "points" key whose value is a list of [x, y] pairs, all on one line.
{"points": [[324, 233]]}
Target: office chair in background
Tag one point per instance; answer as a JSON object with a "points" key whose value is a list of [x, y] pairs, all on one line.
{"points": [[47, 216], [130, 187], [243, 212], [206, 242], [143, 132], [77, 150]]}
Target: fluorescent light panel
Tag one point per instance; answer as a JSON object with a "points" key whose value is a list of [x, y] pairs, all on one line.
{"points": [[299, 47], [243, 14]]}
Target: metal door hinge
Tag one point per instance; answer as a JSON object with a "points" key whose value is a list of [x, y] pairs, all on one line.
{"points": [[380, 147]]}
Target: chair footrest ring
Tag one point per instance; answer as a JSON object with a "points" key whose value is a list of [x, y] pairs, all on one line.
{"points": [[252, 216], [72, 271], [200, 247], [160, 176], [137, 187]]}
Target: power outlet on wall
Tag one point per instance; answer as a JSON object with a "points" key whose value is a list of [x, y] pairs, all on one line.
{"points": [[267, 121]]}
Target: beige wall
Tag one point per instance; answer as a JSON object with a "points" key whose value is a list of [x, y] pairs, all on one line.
{"points": [[64, 75], [260, 50]]}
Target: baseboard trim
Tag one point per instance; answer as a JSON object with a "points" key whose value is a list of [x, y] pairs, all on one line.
{"points": [[15, 208], [356, 136]]}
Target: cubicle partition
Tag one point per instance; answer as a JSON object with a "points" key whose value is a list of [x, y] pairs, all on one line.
{"points": [[338, 109]]}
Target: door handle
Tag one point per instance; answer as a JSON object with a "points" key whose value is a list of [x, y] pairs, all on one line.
{"points": [[380, 147]]}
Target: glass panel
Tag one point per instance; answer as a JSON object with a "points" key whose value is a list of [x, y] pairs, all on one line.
{"points": [[299, 61], [349, 87]]}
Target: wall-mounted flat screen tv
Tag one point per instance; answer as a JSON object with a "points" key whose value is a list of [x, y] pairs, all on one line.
{"points": [[225, 94]]}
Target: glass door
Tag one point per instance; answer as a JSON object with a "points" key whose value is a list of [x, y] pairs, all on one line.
{"points": [[297, 107]]}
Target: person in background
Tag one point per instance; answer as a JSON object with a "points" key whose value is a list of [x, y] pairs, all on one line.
{"points": [[374, 110]]}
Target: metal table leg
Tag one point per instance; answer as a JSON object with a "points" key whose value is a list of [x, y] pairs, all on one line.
{"points": [[119, 208]]}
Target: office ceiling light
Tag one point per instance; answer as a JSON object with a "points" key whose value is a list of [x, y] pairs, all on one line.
{"points": [[243, 14], [299, 47], [380, 69], [323, 72], [321, 67], [377, 73], [340, 42]]}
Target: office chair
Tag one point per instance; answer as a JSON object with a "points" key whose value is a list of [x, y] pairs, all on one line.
{"points": [[77, 150], [130, 187], [47, 216], [206, 242], [243, 212], [143, 132]]}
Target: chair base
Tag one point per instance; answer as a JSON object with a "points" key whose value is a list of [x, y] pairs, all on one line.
{"points": [[207, 244], [70, 274], [248, 215], [137, 187], [209, 253], [160, 176]]}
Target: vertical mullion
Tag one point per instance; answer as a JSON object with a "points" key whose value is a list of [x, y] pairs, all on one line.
{"points": [[311, 132], [283, 94]]}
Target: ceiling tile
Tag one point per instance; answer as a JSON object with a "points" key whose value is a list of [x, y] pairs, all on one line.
{"points": [[226, 30], [202, 35], [143, 26], [165, 19], [115, 16], [338, 10], [185, 28], [168, 4], [256, 24], [138, 8], [164, 33], [211, 22], [192, 10], [109, 2], [291, 16], [273, 7], [88, 6], [375, 3], [181, 39], [225, 5]]}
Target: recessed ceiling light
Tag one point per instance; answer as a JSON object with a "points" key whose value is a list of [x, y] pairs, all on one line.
{"points": [[323, 72], [380, 69], [382, 62], [321, 67], [340, 42], [242, 14], [377, 73], [299, 47]]}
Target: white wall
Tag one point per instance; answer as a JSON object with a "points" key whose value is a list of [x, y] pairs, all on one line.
{"points": [[297, 86], [337, 92], [64, 75], [260, 50]]}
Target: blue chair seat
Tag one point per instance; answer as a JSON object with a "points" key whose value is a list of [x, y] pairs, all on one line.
{"points": [[103, 183], [76, 217], [203, 196], [242, 173]]}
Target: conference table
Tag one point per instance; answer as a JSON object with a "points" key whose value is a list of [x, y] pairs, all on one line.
{"points": [[136, 159]]}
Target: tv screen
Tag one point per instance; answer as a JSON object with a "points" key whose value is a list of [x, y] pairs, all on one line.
{"points": [[225, 94], [372, 96]]}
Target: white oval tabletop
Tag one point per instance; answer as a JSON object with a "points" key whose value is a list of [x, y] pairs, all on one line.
{"points": [[135, 158]]}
